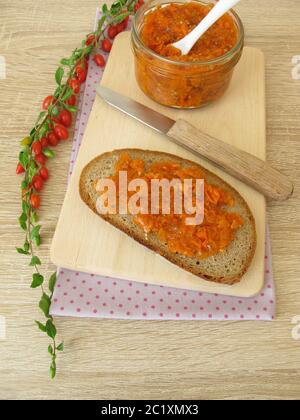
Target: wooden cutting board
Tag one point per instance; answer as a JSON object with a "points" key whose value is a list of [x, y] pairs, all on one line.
{"points": [[84, 242]]}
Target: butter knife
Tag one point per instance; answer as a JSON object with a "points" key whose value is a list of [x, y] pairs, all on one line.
{"points": [[244, 166]]}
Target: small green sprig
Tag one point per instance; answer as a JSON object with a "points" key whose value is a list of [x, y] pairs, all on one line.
{"points": [[31, 165]]}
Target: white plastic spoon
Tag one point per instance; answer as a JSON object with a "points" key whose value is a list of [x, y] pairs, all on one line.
{"points": [[186, 44]]}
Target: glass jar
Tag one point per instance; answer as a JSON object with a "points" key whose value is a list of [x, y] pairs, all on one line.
{"points": [[182, 84]]}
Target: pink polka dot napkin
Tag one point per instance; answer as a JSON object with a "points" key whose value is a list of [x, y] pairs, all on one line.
{"points": [[87, 295]]}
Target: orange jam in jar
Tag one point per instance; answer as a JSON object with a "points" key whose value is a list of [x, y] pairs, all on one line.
{"points": [[184, 81]]}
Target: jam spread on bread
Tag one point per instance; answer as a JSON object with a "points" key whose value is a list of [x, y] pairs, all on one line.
{"points": [[219, 225]]}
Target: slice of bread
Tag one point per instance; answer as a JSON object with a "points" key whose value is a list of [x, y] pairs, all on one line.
{"points": [[226, 267]]}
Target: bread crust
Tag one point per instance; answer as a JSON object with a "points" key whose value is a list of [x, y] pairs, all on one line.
{"points": [[173, 258]]}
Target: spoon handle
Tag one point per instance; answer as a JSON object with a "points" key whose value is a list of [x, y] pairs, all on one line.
{"points": [[187, 43]]}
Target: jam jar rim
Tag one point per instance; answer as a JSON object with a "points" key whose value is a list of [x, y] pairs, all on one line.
{"points": [[147, 7]]}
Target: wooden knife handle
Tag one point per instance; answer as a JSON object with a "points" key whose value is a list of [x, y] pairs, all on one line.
{"points": [[244, 166]]}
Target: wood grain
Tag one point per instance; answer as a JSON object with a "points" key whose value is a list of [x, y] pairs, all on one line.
{"points": [[97, 247], [110, 359], [244, 166]]}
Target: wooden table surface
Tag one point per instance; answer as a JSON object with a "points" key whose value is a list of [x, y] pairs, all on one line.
{"points": [[113, 359]]}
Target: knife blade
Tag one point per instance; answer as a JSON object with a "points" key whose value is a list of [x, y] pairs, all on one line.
{"points": [[134, 109], [244, 166]]}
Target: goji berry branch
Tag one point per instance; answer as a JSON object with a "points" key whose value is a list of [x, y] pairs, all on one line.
{"points": [[52, 126]]}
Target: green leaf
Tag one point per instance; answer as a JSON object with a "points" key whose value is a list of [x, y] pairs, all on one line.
{"points": [[54, 111], [23, 217], [57, 92], [116, 8], [22, 251], [24, 185], [52, 282], [59, 75], [37, 241], [77, 54], [24, 158], [34, 217], [44, 129], [35, 232], [49, 153], [44, 304], [50, 329], [32, 165], [50, 350], [25, 206], [104, 9], [35, 261], [73, 59], [88, 49], [68, 94], [65, 62], [32, 171], [26, 246], [23, 225], [53, 370], [37, 281], [71, 108], [22, 221], [60, 347], [26, 142], [41, 326], [40, 117], [121, 17]]}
